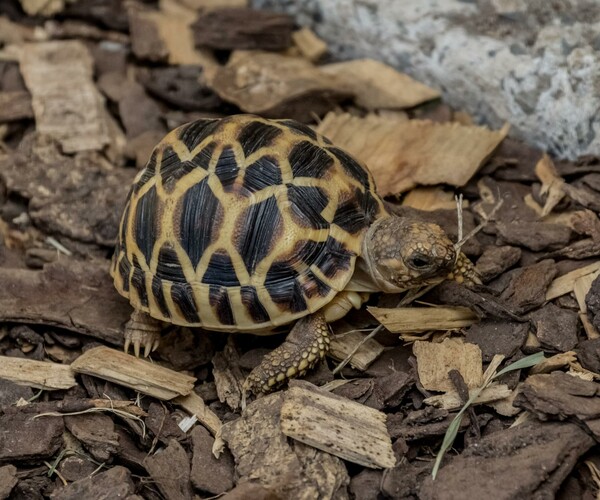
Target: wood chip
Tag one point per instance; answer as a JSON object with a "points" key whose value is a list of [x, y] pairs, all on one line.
{"points": [[135, 373], [38, 374], [452, 401], [15, 105], [431, 198], [309, 44], [423, 319], [552, 184], [566, 283], [43, 7], [582, 286], [379, 86], [243, 28], [276, 86], [195, 405], [401, 155], [342, 345], [588, 326], [65, 101], [336, 425], [213, 4], [553, 363], [434, 361]]}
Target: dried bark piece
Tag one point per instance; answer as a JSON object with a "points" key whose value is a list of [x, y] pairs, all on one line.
{"points": [[15, 105], [276, 86], [65, 101], [498, 337], [116, 482], [336, 425], [495, 260], [194, 404], [71, 294], [423, 319], [376, 85], [530, 460], [265, 455], [309, 44], [79, 197], [366, 484], [434, 361], [342, 345], [588, 353], [163, 424], [38, 374], [566, 283], [556, 328], [96, 431], [43, 7], [74, 468], [452, 400], [246, 490], [170, 469], [7, 480], [560, 396], [401, 155], [534, 235], [229, 379], [24, 438], [10, 392], [243, 28], [552, 184], [422, 424], [135, 373], [528, 286], [139, 113], [214, 475]]}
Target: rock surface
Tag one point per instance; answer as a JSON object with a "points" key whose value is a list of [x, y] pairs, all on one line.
{"points": [[532, 63]]}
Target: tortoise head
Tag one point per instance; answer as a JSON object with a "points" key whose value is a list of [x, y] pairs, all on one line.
{"points": [[404, 253]]}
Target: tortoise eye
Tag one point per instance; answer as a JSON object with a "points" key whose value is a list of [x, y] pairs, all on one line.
{"points": [[419, 261]]}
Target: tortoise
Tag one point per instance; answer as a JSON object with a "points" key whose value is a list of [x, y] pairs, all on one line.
{"points": [[243, 224]]}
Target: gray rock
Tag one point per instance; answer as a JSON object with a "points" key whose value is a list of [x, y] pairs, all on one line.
{"points": [[532, 63]]}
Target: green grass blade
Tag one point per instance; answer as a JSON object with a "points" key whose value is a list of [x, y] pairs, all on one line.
{"points": [[526, 362]]}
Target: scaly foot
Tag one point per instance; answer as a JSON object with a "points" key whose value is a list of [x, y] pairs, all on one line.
{"points": [[306, 344], [142, 331], [464, 271]]}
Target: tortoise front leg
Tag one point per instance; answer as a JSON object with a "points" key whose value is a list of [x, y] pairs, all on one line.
{"points": [[142, 330], [305, 345]]}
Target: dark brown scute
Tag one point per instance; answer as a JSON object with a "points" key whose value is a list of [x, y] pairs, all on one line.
{"points": [[159, 296], [257, 135], [283, 287], [146, 222], [169, 267], [172, 168], [194, 133], [138, 281], [124, 269], [307, 251], [308, 160], [300, 128], [260, 226], [350, 214], [334, 259], [314, 286], [220, 271], [149, 172], [227, 168], [253, 305], [262, 173], [307, 205], [201, 216], [219, 300], [351, 166], [183, 297]]}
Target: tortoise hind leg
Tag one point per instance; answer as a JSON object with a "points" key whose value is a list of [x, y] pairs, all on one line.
{"points": [[305, 345], [142, 330]]}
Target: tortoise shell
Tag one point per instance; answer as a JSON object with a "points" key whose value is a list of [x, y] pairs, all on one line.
{"points": [[242, 224]]}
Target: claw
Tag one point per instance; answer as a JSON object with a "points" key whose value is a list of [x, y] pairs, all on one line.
{"points": [[127, 344], [136, 348], [142, 331]]}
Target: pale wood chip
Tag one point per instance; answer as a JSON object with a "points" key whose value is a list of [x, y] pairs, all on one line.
{"points": [[342, 345], [309, 44], [566, 283], [275, 85], [552, 184], [401, 155], [212, 4], [451, 400], [590, 329], [505, 406], [195, 405], [66, 103], [229, 379], [431, 198], [11, 32], [38, 374], [44, 7], [553, 363], [434, 361], [423, 319], [135, 373], [376, 85], [336, 425]]}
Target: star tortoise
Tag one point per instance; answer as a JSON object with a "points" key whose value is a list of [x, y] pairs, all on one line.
{"points": [[244, 224]]}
